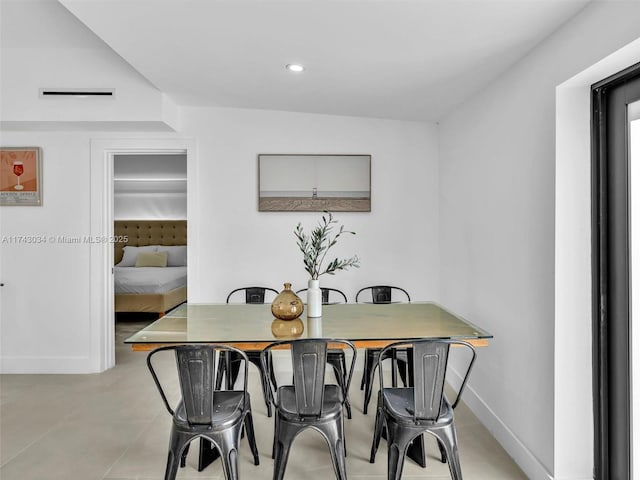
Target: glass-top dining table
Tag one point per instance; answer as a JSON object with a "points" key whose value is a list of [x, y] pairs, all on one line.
{"points": [[252, 327], [249, 326]]}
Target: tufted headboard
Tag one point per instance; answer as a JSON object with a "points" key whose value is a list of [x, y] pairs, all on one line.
{"points": [[148, 232]]}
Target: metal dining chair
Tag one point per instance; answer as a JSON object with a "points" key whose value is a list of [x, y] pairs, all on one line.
{"points": [[309, 402], [203, 412], [406, 413], [230, 363], [381, 294], [327, 293], [335, 356], [252, 294]]}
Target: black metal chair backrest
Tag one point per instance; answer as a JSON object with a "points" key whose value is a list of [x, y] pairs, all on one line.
{"points": [[428, 359], [382, 293], [309, 365], [196, 374], [253, 294], [309, 361], [326, 292]]}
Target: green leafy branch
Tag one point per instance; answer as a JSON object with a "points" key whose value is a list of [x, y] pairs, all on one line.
{"points": [[315, 247]]}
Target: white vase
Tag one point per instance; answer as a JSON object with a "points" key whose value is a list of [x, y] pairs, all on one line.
{"points": [[314, 299], [314, 327]]}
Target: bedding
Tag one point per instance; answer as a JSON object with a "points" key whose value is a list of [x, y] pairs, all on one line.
{"points": [[148, 279], [177, 255], [152, 259], [130, 254], [167, 287]]}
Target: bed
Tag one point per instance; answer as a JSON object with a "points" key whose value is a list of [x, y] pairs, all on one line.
{"points": [[152, 289]]}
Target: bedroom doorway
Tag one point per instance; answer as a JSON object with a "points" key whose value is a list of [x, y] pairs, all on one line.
{"points": [[150, 233], [103, 153]]}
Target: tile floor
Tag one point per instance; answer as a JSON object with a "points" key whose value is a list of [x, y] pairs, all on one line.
{"points": [[113, 426]]}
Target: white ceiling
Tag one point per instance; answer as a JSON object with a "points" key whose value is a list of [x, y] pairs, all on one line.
{"points": [[411, 60]]}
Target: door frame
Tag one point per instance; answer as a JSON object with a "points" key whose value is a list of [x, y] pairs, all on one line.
{"points": [[102, 315], [610, 274]]}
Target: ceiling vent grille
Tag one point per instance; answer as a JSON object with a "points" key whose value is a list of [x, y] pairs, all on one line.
{"points": [[78, 92]]}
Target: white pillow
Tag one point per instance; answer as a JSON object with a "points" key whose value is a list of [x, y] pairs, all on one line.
{"points": [[177, 255], [131, 254]]}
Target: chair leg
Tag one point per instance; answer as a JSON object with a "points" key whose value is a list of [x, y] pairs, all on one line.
{"points": [[172, 467], [233, 369], [227, 442], [264, 382], [403, 371], [347, 402], [443, 452], [251, 437], [183, 457], [343, 365], [340, 371], [286, 434], [334, 434], [364, 369], [369, 389], [377, 434], [230, 464], [222, 367], [447, 436], [397, 444], [275, 437], [343, 436], [265, 392], [229, 367], [347, 406], [394, 369], [208, 453], [177, 443], [272, 374]]}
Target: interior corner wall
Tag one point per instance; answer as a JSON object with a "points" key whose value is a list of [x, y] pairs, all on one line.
{"points": [[497, 234], [396, 241]]}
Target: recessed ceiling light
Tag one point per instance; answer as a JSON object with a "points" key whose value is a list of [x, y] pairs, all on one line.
{"points": [[294, 67]]}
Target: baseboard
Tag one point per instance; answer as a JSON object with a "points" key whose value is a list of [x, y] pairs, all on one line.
{"points": [[528, 462], [45, 365]]}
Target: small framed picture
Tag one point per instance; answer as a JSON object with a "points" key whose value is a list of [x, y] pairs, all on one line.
{"points": [[20, 176]]}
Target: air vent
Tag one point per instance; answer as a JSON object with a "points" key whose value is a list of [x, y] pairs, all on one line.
{"points": [[78, 92]]}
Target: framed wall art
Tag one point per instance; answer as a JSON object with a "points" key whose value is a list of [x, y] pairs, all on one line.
{"points": [[314, 183], [20, 176]]}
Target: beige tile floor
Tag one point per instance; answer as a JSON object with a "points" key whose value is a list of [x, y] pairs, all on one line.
{"points": [[113, 426]]}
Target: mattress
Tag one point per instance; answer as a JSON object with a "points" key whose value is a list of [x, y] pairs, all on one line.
{"points": [[145, 280]]}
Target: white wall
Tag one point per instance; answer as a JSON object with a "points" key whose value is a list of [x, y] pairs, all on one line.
{"points": [[497, 236], [150, 187], [397, 241], [45, 321], [43, 46]]}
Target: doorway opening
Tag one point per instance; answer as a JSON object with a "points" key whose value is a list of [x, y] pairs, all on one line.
{"points": [[150, 239], [102, 254]]}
